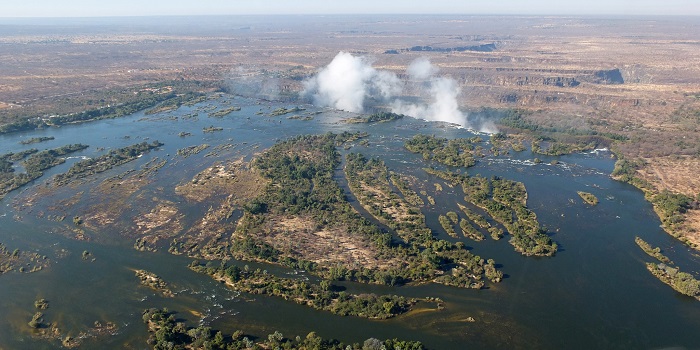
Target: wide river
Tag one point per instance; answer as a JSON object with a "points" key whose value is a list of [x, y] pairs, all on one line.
{"points": [[595, 293]]}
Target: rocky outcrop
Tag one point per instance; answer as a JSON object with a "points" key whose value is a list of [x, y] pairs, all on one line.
{"points": [[477, 48], [612, 76]]}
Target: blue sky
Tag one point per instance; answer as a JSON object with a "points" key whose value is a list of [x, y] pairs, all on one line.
{"points": [[88, 8]]}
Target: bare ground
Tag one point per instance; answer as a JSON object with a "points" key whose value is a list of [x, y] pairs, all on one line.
{"points": [[299, 236], [677, 174]]}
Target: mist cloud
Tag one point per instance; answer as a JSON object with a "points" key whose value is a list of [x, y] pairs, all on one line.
{"points": [[421, 69], [349, 81]]}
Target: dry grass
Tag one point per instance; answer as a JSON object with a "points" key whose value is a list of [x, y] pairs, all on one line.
{"points": [[231, 178], [680, 175], [299, 236], [677, 174]]}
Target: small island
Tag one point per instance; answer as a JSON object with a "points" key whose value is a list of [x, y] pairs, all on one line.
{"points": [[589, 198], [374, 118], [153, 281]]}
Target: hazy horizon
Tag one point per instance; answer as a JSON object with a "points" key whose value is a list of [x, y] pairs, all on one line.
{"points": [[129, 8]]}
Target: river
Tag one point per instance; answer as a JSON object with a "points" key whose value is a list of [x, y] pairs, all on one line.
{"points": [[595, 293]]}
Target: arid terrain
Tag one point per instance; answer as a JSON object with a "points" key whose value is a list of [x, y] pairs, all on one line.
{"points": [[635, 77]]}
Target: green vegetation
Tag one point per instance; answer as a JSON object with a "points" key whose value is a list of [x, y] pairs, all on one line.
{"points": [[113, 103], [105, 162], [191, 150], [224, 112], [20, 155], [41, 161], [167, 333], [505, 201], [300, 173], [321, 296], [682, 282], [474, 217], [34, 166], [374, 118], [669, 206], [491, 272], [447, 226], [457, 152], [190, 98], [454, 265], [153, 281], [469, 231], [282, 111], [562, 148], [11, 260], [495, 232], [212, 128], [516, 119], [502, 143], [36, 140], [453, 217], [589, 198], [408, 194], [626, 171], [653, 252]]}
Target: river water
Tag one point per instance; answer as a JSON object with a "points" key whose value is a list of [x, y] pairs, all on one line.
{"points": [[595, 293]]}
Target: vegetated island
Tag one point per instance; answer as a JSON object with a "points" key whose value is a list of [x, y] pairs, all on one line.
{"points": [[212, 128], [589, 198], [20, 261], [369, 182], [506, 202], [43, 329], [36, 140], [224, 112], [282, 111], [166, 332], [321, 296], [105, 162], [652, 252], [153, 281], [34, 166], [374, 118], [676, 201], [682, 282], [455, 152]]}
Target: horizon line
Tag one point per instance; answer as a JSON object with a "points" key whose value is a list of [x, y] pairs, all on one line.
{"points": [[357, 14]]}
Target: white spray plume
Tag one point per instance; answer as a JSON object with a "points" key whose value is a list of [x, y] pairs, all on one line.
{"points": [[421, 69], [348, 80]]}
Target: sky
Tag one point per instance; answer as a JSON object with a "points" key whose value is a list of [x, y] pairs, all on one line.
{"points": [[100, 8]]}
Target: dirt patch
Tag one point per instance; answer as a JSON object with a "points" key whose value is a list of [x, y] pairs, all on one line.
{"points": [[208, 237], [231, 178], [691, 228], [677, 174], [163, 216], [111, 199], [299, 237]]}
